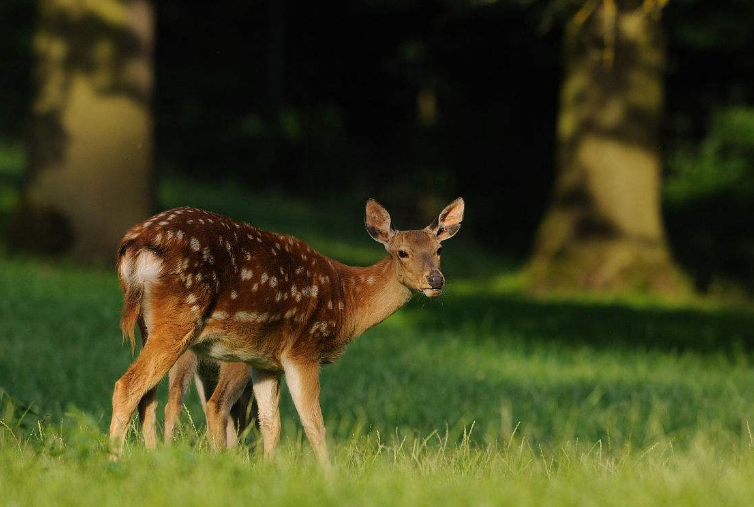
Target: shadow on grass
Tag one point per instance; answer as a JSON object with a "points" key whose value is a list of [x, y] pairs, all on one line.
{"points": [[599, 325]]}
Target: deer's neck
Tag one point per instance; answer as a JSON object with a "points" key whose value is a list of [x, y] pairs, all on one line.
{"points": [[370, 295]]}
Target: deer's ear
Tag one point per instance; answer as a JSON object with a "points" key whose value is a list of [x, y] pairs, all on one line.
{"points": [[377, 222], [447, 224]]}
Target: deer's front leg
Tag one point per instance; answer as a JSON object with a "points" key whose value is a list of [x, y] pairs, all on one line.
{"points": [[266, 387], [303, 382]]}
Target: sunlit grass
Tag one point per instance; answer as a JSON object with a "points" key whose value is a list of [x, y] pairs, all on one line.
{"points": [[478, 399], [483, 396]]}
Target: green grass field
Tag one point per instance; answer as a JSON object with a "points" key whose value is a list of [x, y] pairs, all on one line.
{"points": [[482, 397]]}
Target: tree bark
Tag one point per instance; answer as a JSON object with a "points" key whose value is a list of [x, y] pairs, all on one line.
{"points": [[604, 228], [90, 149]]}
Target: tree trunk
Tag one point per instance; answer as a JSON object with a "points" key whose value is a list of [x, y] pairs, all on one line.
{"points": [[90, 152], [604, 228]]}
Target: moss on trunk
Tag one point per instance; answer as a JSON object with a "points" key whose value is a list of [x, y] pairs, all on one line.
{"points": [[604, 228], [90, 151]]}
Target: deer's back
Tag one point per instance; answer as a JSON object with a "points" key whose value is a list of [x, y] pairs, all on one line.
{"points": [[252, 294]]}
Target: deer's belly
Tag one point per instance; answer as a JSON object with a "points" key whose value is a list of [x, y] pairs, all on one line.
{"points": [[225, 350]]}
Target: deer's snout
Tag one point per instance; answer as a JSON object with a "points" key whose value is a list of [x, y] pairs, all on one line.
{"points": [[436, 280]]}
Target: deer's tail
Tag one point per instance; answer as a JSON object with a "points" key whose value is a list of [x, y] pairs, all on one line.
{"points": [[137, 268]]}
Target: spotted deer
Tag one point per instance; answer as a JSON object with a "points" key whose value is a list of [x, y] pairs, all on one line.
{"points": [[264, 304]]}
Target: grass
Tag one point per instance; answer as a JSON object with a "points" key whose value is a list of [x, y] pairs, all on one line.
{"points": [[482, 397]]}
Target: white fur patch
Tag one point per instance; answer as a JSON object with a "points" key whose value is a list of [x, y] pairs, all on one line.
{"points": [[146, 268]]}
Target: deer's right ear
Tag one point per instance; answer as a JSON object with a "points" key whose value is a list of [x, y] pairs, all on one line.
{"points": [[377, 222]]}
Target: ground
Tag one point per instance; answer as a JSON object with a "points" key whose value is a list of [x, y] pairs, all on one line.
{"points": [[482, 397]]}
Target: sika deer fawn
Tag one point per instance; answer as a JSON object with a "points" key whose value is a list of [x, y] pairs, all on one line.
{"points": [[194, 280]]}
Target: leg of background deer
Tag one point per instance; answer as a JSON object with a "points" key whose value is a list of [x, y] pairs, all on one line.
{"points": [[242, 413], [180, 380], [303, 382], [148, 418], [159, 354], [266, 387], [230, 385], [148, 404]]}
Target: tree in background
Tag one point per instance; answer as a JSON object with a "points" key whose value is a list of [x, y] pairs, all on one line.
{"points": [[90, 149], [604, 229]]}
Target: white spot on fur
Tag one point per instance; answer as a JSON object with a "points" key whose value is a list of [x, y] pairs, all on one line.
{"points": [[246, 274], [329, 305], [191, 299], [273, 282], [371, 280], [264, 278], [299, 270], [246, 316], [340, 305], [179, 235], [254, 287], [195, 245], [220, 315], [233, 295]]}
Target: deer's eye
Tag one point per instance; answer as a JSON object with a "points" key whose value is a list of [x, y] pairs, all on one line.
{"points": [[439, 251], [403, 254]]}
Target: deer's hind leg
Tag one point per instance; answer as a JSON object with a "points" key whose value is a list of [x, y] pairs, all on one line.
{"points": [[148, 403], [167, 341], [243, 412], [180, 380], [231, 383]]}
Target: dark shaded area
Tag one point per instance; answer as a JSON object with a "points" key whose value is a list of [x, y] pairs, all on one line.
{"points": [[348, 117], [599, 326], [423, 99]]}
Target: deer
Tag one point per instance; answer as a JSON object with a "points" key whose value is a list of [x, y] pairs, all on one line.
{"points": [[262, 304]]}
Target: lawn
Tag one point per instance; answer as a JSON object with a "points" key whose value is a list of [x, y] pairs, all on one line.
{"points": [[482, 397]]}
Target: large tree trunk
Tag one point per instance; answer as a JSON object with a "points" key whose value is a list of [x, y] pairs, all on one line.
{"points": [[604, 228], [90, 152]]}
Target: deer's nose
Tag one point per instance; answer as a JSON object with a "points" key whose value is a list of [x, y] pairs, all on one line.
{"points": [[436, 280]]}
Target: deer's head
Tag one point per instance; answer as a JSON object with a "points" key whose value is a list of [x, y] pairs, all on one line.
{"points": [[416, 253]]}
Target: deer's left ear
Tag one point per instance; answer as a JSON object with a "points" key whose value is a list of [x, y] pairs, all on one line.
{"points": [[447, 224]]}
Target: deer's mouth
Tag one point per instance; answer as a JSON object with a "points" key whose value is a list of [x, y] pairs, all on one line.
{"points": [[430, 292]]}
